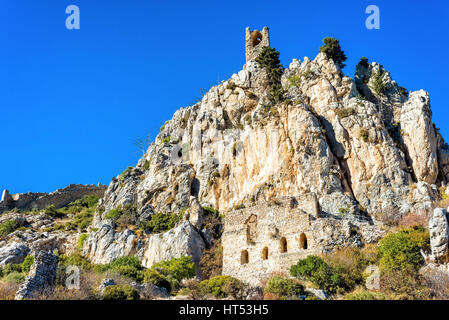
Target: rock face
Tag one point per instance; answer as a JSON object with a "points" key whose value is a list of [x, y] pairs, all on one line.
{"points": [[42, 275], [362, 148], [439, 236], [13, 253]]}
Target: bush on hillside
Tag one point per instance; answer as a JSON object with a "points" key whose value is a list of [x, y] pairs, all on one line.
{"points": [[283, 288], [333, 51]]}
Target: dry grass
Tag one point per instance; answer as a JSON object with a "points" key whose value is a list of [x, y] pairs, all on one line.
{"points": [[412, 220], [8, 290]]}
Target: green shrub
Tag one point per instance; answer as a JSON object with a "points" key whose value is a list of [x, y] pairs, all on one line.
{"points": [[283, 288], [179, 268], [403, 91], [166, 140], [344, 112], [128, 266], [7, 227], [113, 214], [209, 210], [10, 268], [154, 277], [27, 263], [333, 51], [125, 173], [294, 81], [76, 259], [16, 277], [51, 211], [364, 62], [317, 271], [379, 86], [365, 295], [401, 250], [269, 60], [161, 222], [364, 134], [222, 287], [120, 292], [81, 240]]}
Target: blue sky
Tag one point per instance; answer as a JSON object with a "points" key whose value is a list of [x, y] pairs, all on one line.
{"points": [[72, 102]]}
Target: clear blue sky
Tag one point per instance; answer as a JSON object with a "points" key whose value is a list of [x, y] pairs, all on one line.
{"points": [[73, 101]]}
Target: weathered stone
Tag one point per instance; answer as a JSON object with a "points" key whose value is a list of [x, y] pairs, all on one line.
{"points": [[439, 235], [42, 276], [13, 253]]}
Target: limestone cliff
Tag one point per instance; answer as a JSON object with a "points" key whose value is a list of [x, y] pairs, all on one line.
{"points": [[361, 148]]}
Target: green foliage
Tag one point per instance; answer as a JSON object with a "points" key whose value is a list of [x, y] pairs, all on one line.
{"points": [[86, 202], [333, 51], [113, 214], [364, 62], [364, 134], [317, 271], [128, 266], [51, 211], [344, 112], [178, 268], [7, 227], [27, 263], [16, 277], [81, 240], [379, 86], [120, 292], [269, 60], [401, 250], [294, 81], [283, 288], [76, 259], [365, 295], [146, 165], [403, 91], [154, 277], [166, 140], [222, 287], [161, 222], [125, 173], [209, 210]]}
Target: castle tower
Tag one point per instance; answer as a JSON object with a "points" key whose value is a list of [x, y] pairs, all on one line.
{"points": [[255, 41], [5, 196]]}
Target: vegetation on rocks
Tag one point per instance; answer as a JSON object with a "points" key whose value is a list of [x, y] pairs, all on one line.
{"points": [[269, 60], [333, 51]]}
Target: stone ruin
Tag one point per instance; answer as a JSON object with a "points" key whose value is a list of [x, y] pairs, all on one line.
{"points": [[255, 41], [58, 198], [42, 276]]}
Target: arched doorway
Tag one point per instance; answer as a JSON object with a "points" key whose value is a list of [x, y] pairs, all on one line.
{"points": [[265, 253], [303, 241], [283, 245], [244, 257]]}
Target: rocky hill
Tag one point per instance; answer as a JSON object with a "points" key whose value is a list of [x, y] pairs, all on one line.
{"points": [[360, 154]]}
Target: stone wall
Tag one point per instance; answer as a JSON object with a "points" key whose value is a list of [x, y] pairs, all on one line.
{"points": [[58, 198], [254, 42], [269, 238], [42, 275]]}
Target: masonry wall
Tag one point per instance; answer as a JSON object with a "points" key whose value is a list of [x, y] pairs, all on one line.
{"points": [[58, 198], [274, 223]]}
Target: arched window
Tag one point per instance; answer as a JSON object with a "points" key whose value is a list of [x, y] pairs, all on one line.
{"points": [[283, 245], [265, 253], [302, 241], [244, 258]]}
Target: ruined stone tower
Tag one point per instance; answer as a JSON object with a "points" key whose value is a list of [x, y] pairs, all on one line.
{"points": [[255, 41]]}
